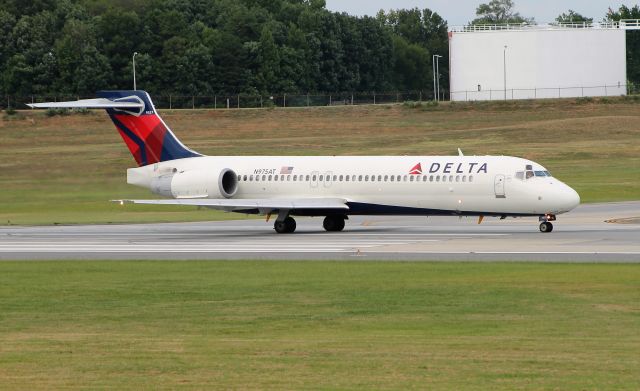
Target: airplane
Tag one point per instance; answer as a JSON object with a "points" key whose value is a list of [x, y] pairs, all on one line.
{"points": [[333, 187]]}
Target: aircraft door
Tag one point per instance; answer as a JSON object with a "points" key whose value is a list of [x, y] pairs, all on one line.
{"points": [[313, 182], [328, 178], [498, 186]]}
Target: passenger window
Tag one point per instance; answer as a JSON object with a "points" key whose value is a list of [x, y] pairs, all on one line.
{"points": [[314, 178], [393, 178], [251, 178], [288, 178], [411, 178], [405, 178], [398, 178], [340, 178], [438, 178], [244, 178], [360, 178], [295, 178], [307, 178], [450, 178], [424, 178], [366, 178], [386, 178], [470, 178], [335, 178], [353, 178], [464, 178], [282, 177], [457, 178], [275, 178], [431, 178], [379, 178], [264, 178], [347, 178], [320, 179], [269, 178]]}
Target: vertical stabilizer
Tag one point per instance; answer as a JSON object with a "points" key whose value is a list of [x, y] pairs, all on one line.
{"points": [[148, 138]]}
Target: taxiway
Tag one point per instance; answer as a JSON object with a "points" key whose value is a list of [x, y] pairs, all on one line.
{"points": [[607, 232]]}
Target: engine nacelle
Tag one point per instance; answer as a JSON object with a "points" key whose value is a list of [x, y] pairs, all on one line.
{"points": [[197, 184]]}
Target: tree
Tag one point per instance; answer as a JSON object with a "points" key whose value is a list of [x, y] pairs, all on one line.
{"points": [[573, 17], [83, 69], [425, 30], [269, 62], [499, 12], [411, 65], [633, 40]]}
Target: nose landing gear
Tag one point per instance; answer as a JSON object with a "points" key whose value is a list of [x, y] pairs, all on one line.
{"points": [[545, 225]]}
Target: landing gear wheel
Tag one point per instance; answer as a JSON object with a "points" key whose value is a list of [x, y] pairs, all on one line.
{"points": [[285, 226], [546, 227], [333, 223]]}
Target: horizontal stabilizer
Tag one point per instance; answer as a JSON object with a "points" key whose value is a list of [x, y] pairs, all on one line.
{"points": [[99, 103], [239, 204]]}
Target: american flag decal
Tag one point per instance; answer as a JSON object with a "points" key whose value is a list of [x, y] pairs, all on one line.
{"points": [[286, 170]]}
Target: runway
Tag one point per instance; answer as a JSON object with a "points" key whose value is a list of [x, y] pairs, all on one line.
{"points": [[607, 232]]}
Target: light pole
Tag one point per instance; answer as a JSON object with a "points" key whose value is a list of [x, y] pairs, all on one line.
{"points": [[436, 80], [134, 70], [504, 64]]}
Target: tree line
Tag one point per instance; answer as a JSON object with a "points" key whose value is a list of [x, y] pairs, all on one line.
{"points": [[213, 46], [207, 47]]}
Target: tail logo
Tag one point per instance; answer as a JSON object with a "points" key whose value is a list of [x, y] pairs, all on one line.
{"points": [[132, 98], [416, 170]]}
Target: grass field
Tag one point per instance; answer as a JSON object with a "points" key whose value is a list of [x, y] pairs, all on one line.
{"points": [[318, 325], [65, 169]]}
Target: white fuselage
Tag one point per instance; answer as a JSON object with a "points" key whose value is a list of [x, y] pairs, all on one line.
{"points": [[455, 185]]}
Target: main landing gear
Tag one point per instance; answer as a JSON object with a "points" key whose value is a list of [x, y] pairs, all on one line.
{"points": [[545, 225], [333, 223], [286, 226]]}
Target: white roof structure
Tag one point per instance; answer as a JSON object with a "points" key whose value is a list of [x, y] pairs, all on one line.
{"points": [[624, 24]]}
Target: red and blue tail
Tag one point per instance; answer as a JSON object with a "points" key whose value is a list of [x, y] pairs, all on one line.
{"points": [[149, 139], [147, 136]]}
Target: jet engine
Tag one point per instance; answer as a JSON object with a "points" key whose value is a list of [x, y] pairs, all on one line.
{"points": [[215, 183]]}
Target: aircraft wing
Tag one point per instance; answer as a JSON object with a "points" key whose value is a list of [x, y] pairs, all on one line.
{"points": [[263, 205]]}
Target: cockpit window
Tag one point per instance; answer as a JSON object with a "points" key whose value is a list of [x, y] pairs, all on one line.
{"points": [[530, 173]]}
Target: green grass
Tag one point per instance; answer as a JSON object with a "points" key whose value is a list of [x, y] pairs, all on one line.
{"points": [[318, 325], [66, 169]]}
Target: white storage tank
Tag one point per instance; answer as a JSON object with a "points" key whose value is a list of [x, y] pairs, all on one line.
{"points": [[537, 62]]}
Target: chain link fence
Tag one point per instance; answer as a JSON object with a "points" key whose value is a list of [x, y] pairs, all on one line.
{"points": [[543, 93], [242, 101], [245, 101]]}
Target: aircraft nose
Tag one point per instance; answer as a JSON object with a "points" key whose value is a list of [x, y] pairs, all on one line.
{"points": [[568, 199]]}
